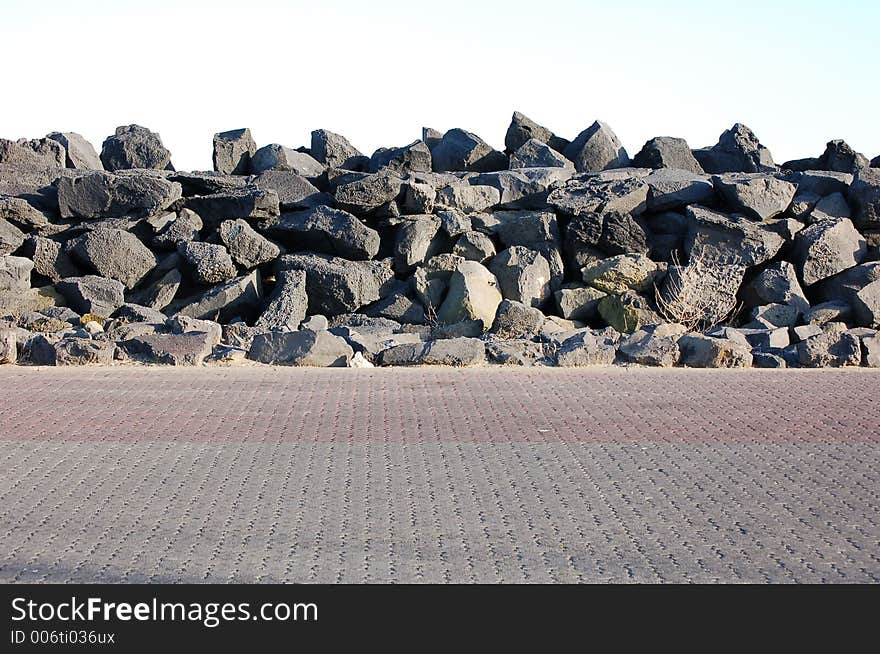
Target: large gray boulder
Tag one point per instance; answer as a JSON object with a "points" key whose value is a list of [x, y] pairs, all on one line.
{"points": [[468, 198], [101, 195], [183, 349], [667, 152], [597, 148], [335, 285], [459, 352], [737, 151], [233, 151], [523, 275], [172, 229], [207, 263], [535, 154], [301, 348], [133, 146], [671, 188], [459, 150], [596, 195], [593, 235], [287, 304], [76, 351], [248, 202], [21, 213], [36, 154], [473, 295], [830, 349], [246, 247], [622, 273], [234, 298], [517, 320], [866, 305], [653, 345], [721, 239], [827, 248], [322, 229], [417, 240], [8, 345], [474, 246], [50, 259], [370, 192], [114, 253], [864, 195], [15, 273], [578, 302], [412, 158], [699, 351], [294, 191], [524, 188], [335, 151], [588, 348], [79, 153], [159, 293], [776, 284], [758, 195], [92, 294], [523, 129], [11, 237], [278, 157]]}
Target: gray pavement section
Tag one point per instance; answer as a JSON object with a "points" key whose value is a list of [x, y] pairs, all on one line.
{"points": [[258, 474]]}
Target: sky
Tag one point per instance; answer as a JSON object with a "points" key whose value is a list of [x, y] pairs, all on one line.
{"points": [[799, 73]]}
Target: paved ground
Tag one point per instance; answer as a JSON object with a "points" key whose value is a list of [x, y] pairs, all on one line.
{"points": [[261, 474]]}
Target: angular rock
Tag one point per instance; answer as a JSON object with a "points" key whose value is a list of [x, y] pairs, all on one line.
{"points": [[246, 202], [336, 152], [523, 129], [523, 188], [207, 263], [15, 273], [473, 295], [8, 345], [430, 281], [182, 349], [474, 246], [83, 351], [468, 198], [716, 238], [418, 198], [777, 284], [400, 307], [224, 301], [102, 195], [597, 148], [36, 154], [621, 273], [294, 191], [133, 146], [246, 247], [699, 351], [457, 352], [160, 293], [579, 302], [412, 158], [670, 188], [11, 238], [114, 253], [833, 311], [370, 192], [517, 320], [175, 229], [595, 195], [653, 346], [627, 312], [287, 304], [301, 348], [79, 153], [518, 352], [459, 150], [870, 350], [334, 285], [866, 305], [417, 240], [233, 151], [737, 151], [92, 294], [864, 195], [278, 157], [523, 275], [827, 248], [21, 213], [129, 312], [831, 207], [760, 196], [830, 349], [535, 154], [667, 152], [587, 348]]}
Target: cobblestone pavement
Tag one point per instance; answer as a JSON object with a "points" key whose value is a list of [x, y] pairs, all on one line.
{"points": [[125, 474]]}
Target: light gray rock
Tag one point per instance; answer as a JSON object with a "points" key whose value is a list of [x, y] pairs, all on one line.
{"points": [[130, 312], [699, 351], [473, 295], [11, 237], [73, 351], [417, 240], [133, 146], [79, 153], [518, 352], [864, 195], [653, 346], [621, 273], [587, 348], [207, 263], [595, 195], [597, 148], [92, 294], [523, 188], [468, 198], [8, 345], [759, 196], [160, 293], [535, 154], [516, 320], [278, 157], [827, 248], [301, 348], [777, 284], [459, 352], [579, 302], [474, 246], [174, 229], [825, 312], [831, 207], [716, 238], [182, 349], [22, 214], [294, 191], [523, 275], [830, 349], [870, 350], [36, 154], [776, 315], [866, 305], [114, 253], [418, 198], [233, 151], [101, 195]]}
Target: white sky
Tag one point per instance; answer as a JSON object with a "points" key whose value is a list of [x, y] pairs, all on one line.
{"points": [[798, 73]]}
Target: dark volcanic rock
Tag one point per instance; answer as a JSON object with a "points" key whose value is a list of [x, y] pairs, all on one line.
{"points": [[133, 146]]}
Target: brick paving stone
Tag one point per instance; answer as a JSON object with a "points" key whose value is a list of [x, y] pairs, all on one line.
{"points": [[261, 474]]}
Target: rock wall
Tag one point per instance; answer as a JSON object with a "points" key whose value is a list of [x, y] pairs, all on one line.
{"points": [[442, 251]]}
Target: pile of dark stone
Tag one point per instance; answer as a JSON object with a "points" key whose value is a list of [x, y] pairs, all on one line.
{"points": [[443, 251]]}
